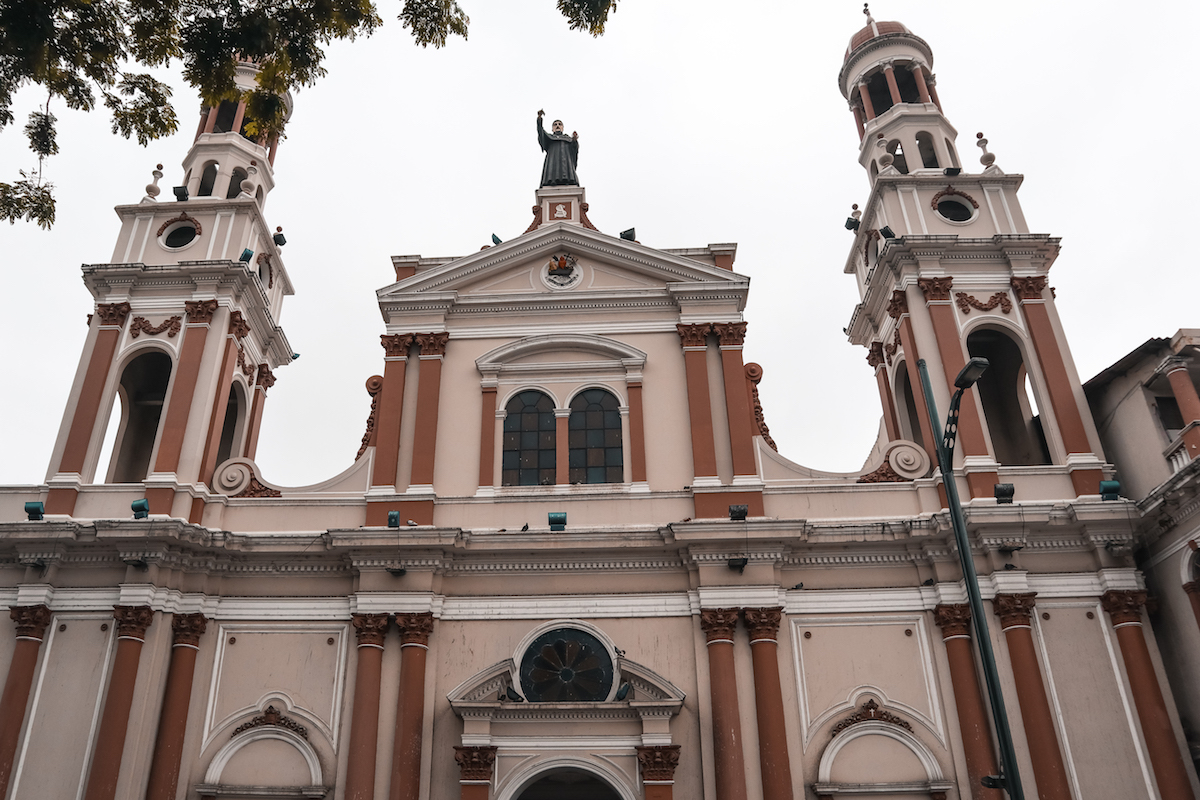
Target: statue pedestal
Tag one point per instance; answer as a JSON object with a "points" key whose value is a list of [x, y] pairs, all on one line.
{"points": [[561, 204]]}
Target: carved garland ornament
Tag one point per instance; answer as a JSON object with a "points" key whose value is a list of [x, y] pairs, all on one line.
{"points": [[247, 367], [950, 190], [255, 488], [265, 258], [870, 711], [966, 302], [374, 388], [870, 236], [272, 717], [183, 217], [754, 374], [890, 349], [141, 325]]}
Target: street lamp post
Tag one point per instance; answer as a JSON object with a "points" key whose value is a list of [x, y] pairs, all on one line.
{"points": [[1009, 778]]}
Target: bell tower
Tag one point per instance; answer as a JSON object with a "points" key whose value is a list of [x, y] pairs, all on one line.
{"points": [[948, 269], [185, 337]]}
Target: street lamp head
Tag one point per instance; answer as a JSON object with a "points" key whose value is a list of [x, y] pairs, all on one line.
{"points": [[971, 373]]}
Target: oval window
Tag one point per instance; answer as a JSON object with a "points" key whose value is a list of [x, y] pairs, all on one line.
{"points": [[955, 211], [179, 235], [566, 665]]}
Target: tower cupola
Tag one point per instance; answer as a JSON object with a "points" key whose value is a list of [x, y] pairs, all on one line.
{"points": [[224, 161], [887, 79]]}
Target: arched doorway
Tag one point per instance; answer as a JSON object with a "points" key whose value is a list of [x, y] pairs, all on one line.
{"points": [[576, 784]]}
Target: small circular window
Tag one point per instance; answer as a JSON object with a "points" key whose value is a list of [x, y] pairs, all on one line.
{"points": [[179, 235], [954, 210], [566, 665]]}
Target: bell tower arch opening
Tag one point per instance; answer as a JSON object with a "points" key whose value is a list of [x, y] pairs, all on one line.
{"points": [[1009, 406], [142, 391], [233, 428]]}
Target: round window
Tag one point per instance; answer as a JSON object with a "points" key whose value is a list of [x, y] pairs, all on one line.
{"points": [[954, 210], [566, 665], [179, 235]]}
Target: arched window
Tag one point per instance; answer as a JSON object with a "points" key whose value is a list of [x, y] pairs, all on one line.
{"points": [[881, 94], [528, 457], [953, 154], [226, 113], [901, 163], [235, 183], [594, 438], [208, 179], [143, 390], [1013, 419], [929, 159], [907, 84], [908, 408]]}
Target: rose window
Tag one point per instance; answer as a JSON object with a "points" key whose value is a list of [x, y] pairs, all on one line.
{"points": [[566, 665]]}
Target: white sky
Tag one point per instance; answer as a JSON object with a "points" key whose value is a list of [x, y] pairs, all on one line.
{"points": [[699, 121]]}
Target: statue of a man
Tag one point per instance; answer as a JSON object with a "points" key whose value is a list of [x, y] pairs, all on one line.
{"points": [[562, 153]]}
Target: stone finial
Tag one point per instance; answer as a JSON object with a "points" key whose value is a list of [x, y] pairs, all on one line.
{"points": [[867, 12], [885, 158], [152, 189], [855, 212], [987, 159]]}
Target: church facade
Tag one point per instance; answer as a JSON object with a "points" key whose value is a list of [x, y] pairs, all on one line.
{"points": [[568, 560]]}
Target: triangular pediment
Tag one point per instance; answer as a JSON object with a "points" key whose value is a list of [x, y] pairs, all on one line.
{"points": [[520, 267]]}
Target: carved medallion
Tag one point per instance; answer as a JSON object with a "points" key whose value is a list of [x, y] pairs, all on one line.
{"points": [[870, 711], [561, 272]]}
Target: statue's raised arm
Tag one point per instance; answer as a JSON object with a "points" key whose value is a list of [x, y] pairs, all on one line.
{"points": [[562, 154]]}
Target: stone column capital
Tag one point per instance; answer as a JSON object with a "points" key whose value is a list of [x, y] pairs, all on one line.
{"points": [[371, 629], [693, 335], [31, 621], [953, 618], [415, 628], [188, 628], [395, 344], [1029, 288], [475, 763], [936, 288], [719, 624], [1123, 606], [1014, 609], [898, 305], [875, 354], [763, 623], [432, 344], [132, 621], [730, 333], [200, 311], [113, 313], [658, 762], [238, 325]]}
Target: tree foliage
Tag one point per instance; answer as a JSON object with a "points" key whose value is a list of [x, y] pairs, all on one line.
{"points": [[78, 50]]}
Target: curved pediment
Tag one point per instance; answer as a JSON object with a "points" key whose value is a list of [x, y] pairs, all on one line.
{"points": [[498, 685], [536, 349]]}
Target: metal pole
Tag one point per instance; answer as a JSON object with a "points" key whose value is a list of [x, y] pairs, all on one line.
{"points": [[945, 450]]}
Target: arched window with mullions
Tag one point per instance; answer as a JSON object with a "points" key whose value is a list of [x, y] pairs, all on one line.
{"points": [[594, 438], [528, 456]]}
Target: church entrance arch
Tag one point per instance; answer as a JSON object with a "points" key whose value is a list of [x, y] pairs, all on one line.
{"points": [[578, 784]]}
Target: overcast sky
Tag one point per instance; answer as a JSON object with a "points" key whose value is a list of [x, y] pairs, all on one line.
{"points": [[699, 121]]}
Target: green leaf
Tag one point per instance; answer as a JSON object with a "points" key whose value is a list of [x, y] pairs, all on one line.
{"points": [[28, 201], [40, 131], [147, 113], [432, 21], [587, 15]]}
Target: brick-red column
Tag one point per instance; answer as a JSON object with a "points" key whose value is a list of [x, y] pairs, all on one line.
{"points": [[487, 437], [172, 720], [410, 710], [955, 622], [31, 629], [773, 759], [730, 337], [890, 76], [1188, 401], [1193, 592], [387, 424], [918, 73], [658, 763], [371, 630], [886, 399], [216, 421], [562, 472], [1049, 771], [637, 433], [475, 768], [693, 339], [858, 121], [718, 625], [429, 387], [87, 406], [868, 106], [950, 348], [1125, 609], [132, 622], [264, 380]]}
